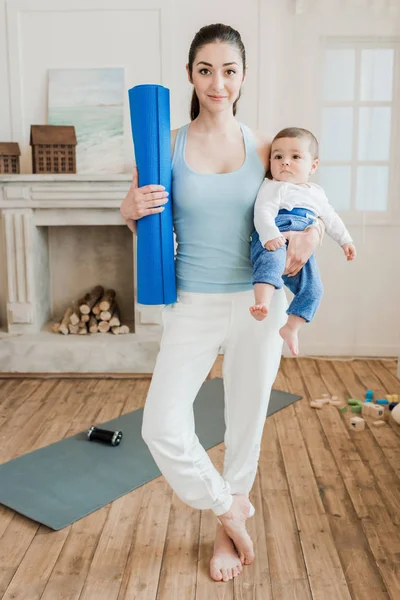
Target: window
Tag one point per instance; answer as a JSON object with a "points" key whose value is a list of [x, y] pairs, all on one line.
{"points": [[358, 124]]}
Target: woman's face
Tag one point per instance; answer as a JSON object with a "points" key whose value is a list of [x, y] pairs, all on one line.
{"points": [[217, 76]]}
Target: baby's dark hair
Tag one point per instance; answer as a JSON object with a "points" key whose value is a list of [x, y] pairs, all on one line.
{"points": [[298, 132]]}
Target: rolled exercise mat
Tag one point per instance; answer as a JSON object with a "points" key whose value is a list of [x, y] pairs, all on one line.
{"points": [[150, 120]]}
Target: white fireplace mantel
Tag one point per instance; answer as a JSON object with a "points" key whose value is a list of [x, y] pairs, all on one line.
{"points": [[28, 205]]}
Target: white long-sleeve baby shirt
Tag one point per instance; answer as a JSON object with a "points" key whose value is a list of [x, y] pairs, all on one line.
{"points": [[274, 195]]}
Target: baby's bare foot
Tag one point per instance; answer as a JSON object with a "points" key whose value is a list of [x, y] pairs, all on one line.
{"points": [[225, 563], [234, 523], [259, 311], [289, 334]]}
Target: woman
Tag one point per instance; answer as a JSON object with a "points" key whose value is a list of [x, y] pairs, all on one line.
{"points": [[218, 166]]}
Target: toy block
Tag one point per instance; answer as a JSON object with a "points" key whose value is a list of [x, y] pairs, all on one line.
{"points": [[335, 402], [382, 401], [378, 423], [357, 423], [376, 411], [389, 397], [334, 398], [343, 409], [322, 400], [369, 394], [316, 404], [352, 401], [392, 405], [395, 398], [324, 395], [365, 409], [356, 408]]}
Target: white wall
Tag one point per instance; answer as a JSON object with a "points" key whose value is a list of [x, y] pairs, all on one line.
{"points": [[150, 39]]}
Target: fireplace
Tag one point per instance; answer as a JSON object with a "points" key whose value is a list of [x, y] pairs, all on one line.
{"points": [[61, 236]]}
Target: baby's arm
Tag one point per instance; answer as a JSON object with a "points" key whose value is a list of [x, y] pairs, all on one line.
{"points": [[265, 211], [337, 229]]}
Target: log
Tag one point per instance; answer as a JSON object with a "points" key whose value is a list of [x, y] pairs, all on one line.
{"points": [[124, 329], [81, 324], [107, 314], [115, 329], [115, 319], [65, 320], [107, 299], [103, 326], [93, 327], [83, 330], [73, 328], [96, 309], [75, 316], [55, 327], [86, 304], [85, 318]]}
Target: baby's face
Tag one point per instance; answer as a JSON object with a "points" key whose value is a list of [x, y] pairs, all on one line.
{"points": [[291, 160]]}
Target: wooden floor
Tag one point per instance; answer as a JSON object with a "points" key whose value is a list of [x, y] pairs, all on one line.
{"points": [[327, 523]]}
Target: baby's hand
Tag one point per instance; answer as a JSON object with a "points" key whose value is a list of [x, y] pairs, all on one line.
{"points": [[275, 243], [349, 251]]}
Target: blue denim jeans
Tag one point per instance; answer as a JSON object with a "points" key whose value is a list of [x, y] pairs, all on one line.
{"points": [[268, 266]]}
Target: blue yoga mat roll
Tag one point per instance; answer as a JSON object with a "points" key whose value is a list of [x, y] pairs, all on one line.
{"points": [[150, 121]]}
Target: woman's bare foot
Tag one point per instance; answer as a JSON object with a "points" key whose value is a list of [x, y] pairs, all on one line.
{"points": [[289, 334], [259, 311], [225, 563], [234, 523]]}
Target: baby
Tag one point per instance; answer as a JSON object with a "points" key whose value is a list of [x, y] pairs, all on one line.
{"points": [[289, 202]]}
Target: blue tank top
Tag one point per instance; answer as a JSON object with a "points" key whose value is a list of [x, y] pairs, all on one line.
{"points": [[213, 221]]}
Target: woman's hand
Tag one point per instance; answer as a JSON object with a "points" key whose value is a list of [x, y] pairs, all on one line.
{"points": [[142, 201], [301, 245]]}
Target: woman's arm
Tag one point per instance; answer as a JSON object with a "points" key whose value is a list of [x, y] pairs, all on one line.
{"points": [[140, 202]]}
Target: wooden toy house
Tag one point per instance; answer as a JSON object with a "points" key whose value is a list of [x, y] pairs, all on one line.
{"points": [[53, 148], [9, 158]]}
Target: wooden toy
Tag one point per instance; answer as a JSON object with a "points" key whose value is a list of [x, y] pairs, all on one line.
{"points": [[365, 409], [378, 423], [316, 404], [376, 411], [335, 402], [357, 423]]}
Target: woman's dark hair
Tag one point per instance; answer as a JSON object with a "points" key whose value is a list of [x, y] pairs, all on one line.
{"points": [[209, 35]]}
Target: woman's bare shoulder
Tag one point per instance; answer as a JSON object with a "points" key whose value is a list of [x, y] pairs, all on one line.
{"points": [[263, 146]]}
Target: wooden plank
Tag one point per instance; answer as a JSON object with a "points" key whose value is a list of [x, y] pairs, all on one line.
{"points": [[179, 566], [17, 433], [362, 576], [382, 535], [34, 547], [388, 383], [254, 582], [322, 561], [75, 559], [287, 570], [386, 437]]}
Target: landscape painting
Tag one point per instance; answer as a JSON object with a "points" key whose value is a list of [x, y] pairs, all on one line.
{"points": [[93, 101]]}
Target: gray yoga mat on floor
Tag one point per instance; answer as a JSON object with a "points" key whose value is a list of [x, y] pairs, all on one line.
{"points": [[69, 479]]}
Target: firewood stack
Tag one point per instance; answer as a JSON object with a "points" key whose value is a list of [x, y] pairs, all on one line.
{"points": [[96, 312]]}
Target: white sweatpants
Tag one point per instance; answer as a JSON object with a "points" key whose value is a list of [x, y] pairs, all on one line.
{"points": [[195, 328]]}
